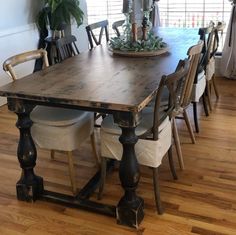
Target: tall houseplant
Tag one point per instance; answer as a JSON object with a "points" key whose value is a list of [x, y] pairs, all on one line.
{"points": [[56, 14]]}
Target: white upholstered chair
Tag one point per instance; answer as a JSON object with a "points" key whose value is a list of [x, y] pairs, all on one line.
{"points": [[154, 132], [212, 45], [199, 86], [56, 128]]}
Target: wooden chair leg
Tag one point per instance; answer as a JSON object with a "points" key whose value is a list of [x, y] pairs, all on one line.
{"points": [[189, 126], [157, 191], [171, 163], [215, 87], [177, 144], [103, 177], [209, 94], [195, 117], [205, 104], [71, 171], [95, 153], [52, 154]]}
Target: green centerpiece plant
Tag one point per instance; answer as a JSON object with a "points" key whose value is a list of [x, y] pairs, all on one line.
{"points": [[152, 43]]}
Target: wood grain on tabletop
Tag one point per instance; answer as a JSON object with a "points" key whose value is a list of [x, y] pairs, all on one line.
{"points": [[99, 79]]}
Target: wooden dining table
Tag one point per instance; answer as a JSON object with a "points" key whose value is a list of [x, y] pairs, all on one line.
{"points": [[96, 81]]}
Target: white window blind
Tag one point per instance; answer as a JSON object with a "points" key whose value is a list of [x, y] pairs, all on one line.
{"points": [[173, 13], [193, 13], [105, 9]]}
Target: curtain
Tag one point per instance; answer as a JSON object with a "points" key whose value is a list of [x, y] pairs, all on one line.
{"points": [[155, 15], [228, 60]]}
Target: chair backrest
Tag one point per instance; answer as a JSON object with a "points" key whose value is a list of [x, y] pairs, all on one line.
{"points": [[174, 83], [24, 57], [102, 25], [116, 25], [215, 39], [67, 47], [206, 35], [194, 53]]}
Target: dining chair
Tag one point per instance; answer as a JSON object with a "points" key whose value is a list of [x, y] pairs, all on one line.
{"points": [[67, 47], [154, 133], [199, 85], [56, 128], [213, 44], [102, 25], [116, 25], [184, 101]]}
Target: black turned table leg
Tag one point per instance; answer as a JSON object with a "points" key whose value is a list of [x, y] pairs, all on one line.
{"points": [[30, 186], [130, 207]]}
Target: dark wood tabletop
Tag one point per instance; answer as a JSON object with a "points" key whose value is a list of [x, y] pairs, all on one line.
{"points": [[99, 79]]}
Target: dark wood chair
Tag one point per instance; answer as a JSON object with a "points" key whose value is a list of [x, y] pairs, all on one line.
{"points": [[212, 44], [103, 26], [66, 47], [116, 25], [154, 132], [185, 98], [199, 86]]}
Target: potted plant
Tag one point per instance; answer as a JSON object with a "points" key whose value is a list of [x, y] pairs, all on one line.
{"points": [[56, 14]]}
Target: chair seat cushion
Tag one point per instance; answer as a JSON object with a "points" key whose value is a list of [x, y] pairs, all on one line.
{"points": [[210, 69], [148, 152], [199, 87], [61, 131], [52, 116]]}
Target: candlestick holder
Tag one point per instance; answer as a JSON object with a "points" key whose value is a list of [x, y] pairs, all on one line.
{"points": [[137, 40], [146, 16], [127, 27]]}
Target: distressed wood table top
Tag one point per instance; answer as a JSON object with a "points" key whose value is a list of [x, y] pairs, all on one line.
{"points": [[98, 79]]}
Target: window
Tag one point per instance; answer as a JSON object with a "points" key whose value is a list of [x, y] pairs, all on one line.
{"points": [[173, 13], [192, 13], [105, 9]]}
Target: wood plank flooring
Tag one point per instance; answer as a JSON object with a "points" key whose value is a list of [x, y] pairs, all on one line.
{"points": [[202, 201]]}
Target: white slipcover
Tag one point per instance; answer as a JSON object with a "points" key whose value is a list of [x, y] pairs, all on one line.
{"points": [[228, 60], [210, 69], [148, 152], [59, 128], [199, 87]]}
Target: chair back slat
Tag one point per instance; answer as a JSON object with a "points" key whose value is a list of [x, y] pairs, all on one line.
{"points": [[103, 26], [116, 25], [206, 35], [67, 47], [24, 57]]}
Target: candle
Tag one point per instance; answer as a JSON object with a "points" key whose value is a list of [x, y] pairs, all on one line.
{"points": [[146, 5], [126, 6]]}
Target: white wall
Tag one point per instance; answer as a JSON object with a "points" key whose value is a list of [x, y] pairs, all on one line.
{"points": [[80, 33], [14, 13], [18, 33]]}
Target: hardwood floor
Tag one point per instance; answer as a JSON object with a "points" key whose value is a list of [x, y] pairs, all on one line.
{"points": [[202, 201]]}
